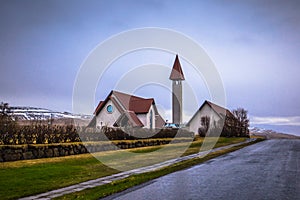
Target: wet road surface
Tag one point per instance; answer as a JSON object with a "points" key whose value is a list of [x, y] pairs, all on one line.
{"points": [[267, 170]]}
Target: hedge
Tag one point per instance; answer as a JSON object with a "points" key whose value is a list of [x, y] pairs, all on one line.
{"points": [[49, 134]]}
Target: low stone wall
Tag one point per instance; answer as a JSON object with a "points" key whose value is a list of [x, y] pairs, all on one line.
{"points": [[35, 151], [31, 151]]}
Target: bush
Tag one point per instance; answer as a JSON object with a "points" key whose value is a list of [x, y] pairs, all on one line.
{"points": [[38, 134], [47, 134], [131, 133]]}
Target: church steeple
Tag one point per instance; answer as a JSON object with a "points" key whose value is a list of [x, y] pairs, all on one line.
{"points": [[176, 76], [176, 73]]}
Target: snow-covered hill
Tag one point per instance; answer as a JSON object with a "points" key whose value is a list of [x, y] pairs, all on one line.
{"points": [[32, 113], [270, 134]]}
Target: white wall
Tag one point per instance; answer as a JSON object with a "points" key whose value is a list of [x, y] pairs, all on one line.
{"points": [[153, 117], [206, 110], [107, 119], [142, 118], [145, 118]]}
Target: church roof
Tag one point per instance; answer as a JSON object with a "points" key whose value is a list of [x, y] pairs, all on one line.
{"points": [[100, 105], [177, 73], [159, 121], [128, 118], [126, 102], [219, 110], [133, 103]]}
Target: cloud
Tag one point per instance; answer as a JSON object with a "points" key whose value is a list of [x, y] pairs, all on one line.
{"points": [[290, 121]]}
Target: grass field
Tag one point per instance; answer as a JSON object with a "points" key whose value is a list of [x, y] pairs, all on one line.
{"points": [[24, 178], [121, 185]]}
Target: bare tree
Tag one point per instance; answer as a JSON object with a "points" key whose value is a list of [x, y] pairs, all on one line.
{"points": [[204, 121], [6, 121], [242, 124], [4, 109]]}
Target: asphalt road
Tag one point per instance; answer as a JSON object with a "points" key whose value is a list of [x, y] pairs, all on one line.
{"points": [[267, 170]]}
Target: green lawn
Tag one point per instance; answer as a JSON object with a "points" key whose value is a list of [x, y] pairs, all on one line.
{"points": [[120, 185], [24, 178], [28, 178]]}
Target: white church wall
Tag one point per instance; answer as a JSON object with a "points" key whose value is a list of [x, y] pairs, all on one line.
{"points": [[206, 110], [105, 118], [145, 118], [153, 117], [142, 118]]}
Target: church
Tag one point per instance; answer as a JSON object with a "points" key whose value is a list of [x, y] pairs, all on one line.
{"points": [[119, 109]]}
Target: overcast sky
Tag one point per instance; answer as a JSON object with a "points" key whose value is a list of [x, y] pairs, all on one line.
{"points": [[255, 46]]}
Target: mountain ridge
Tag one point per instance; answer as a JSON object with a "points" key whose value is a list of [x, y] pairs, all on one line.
{"points": [[270, 134], [35, 113]]}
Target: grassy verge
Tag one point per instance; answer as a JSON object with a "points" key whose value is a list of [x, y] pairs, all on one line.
{"points": [[24, 178], [37, 176], [121, 185]]}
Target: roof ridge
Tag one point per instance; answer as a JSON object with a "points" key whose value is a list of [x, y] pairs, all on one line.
{"points": [[216, 104], [129, 95], [142, 99], [227, 111], [134, 103]]}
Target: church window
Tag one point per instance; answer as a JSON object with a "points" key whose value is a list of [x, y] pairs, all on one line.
{"points": [[109, 108]]}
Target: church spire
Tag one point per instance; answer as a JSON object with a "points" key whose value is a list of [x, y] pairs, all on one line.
{"points": [[177, 73], [176, 76]]}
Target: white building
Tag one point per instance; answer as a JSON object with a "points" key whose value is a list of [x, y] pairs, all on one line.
{"points": [[120, 109], [215, 113]]}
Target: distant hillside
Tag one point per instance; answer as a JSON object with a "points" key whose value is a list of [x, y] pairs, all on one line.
{"points": [[270, 134], [24, 113]]}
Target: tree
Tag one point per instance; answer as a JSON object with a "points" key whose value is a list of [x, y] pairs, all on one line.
{"points": [[4, 109], [6, 122], [242, 124], [4, 117], [204, 121]]}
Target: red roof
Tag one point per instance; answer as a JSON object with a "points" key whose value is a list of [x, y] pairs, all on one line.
{"points": [[133, 103], [219, 110], [128, 102], [177, 73], [100, 105], [159, 121], [129, 118]]}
